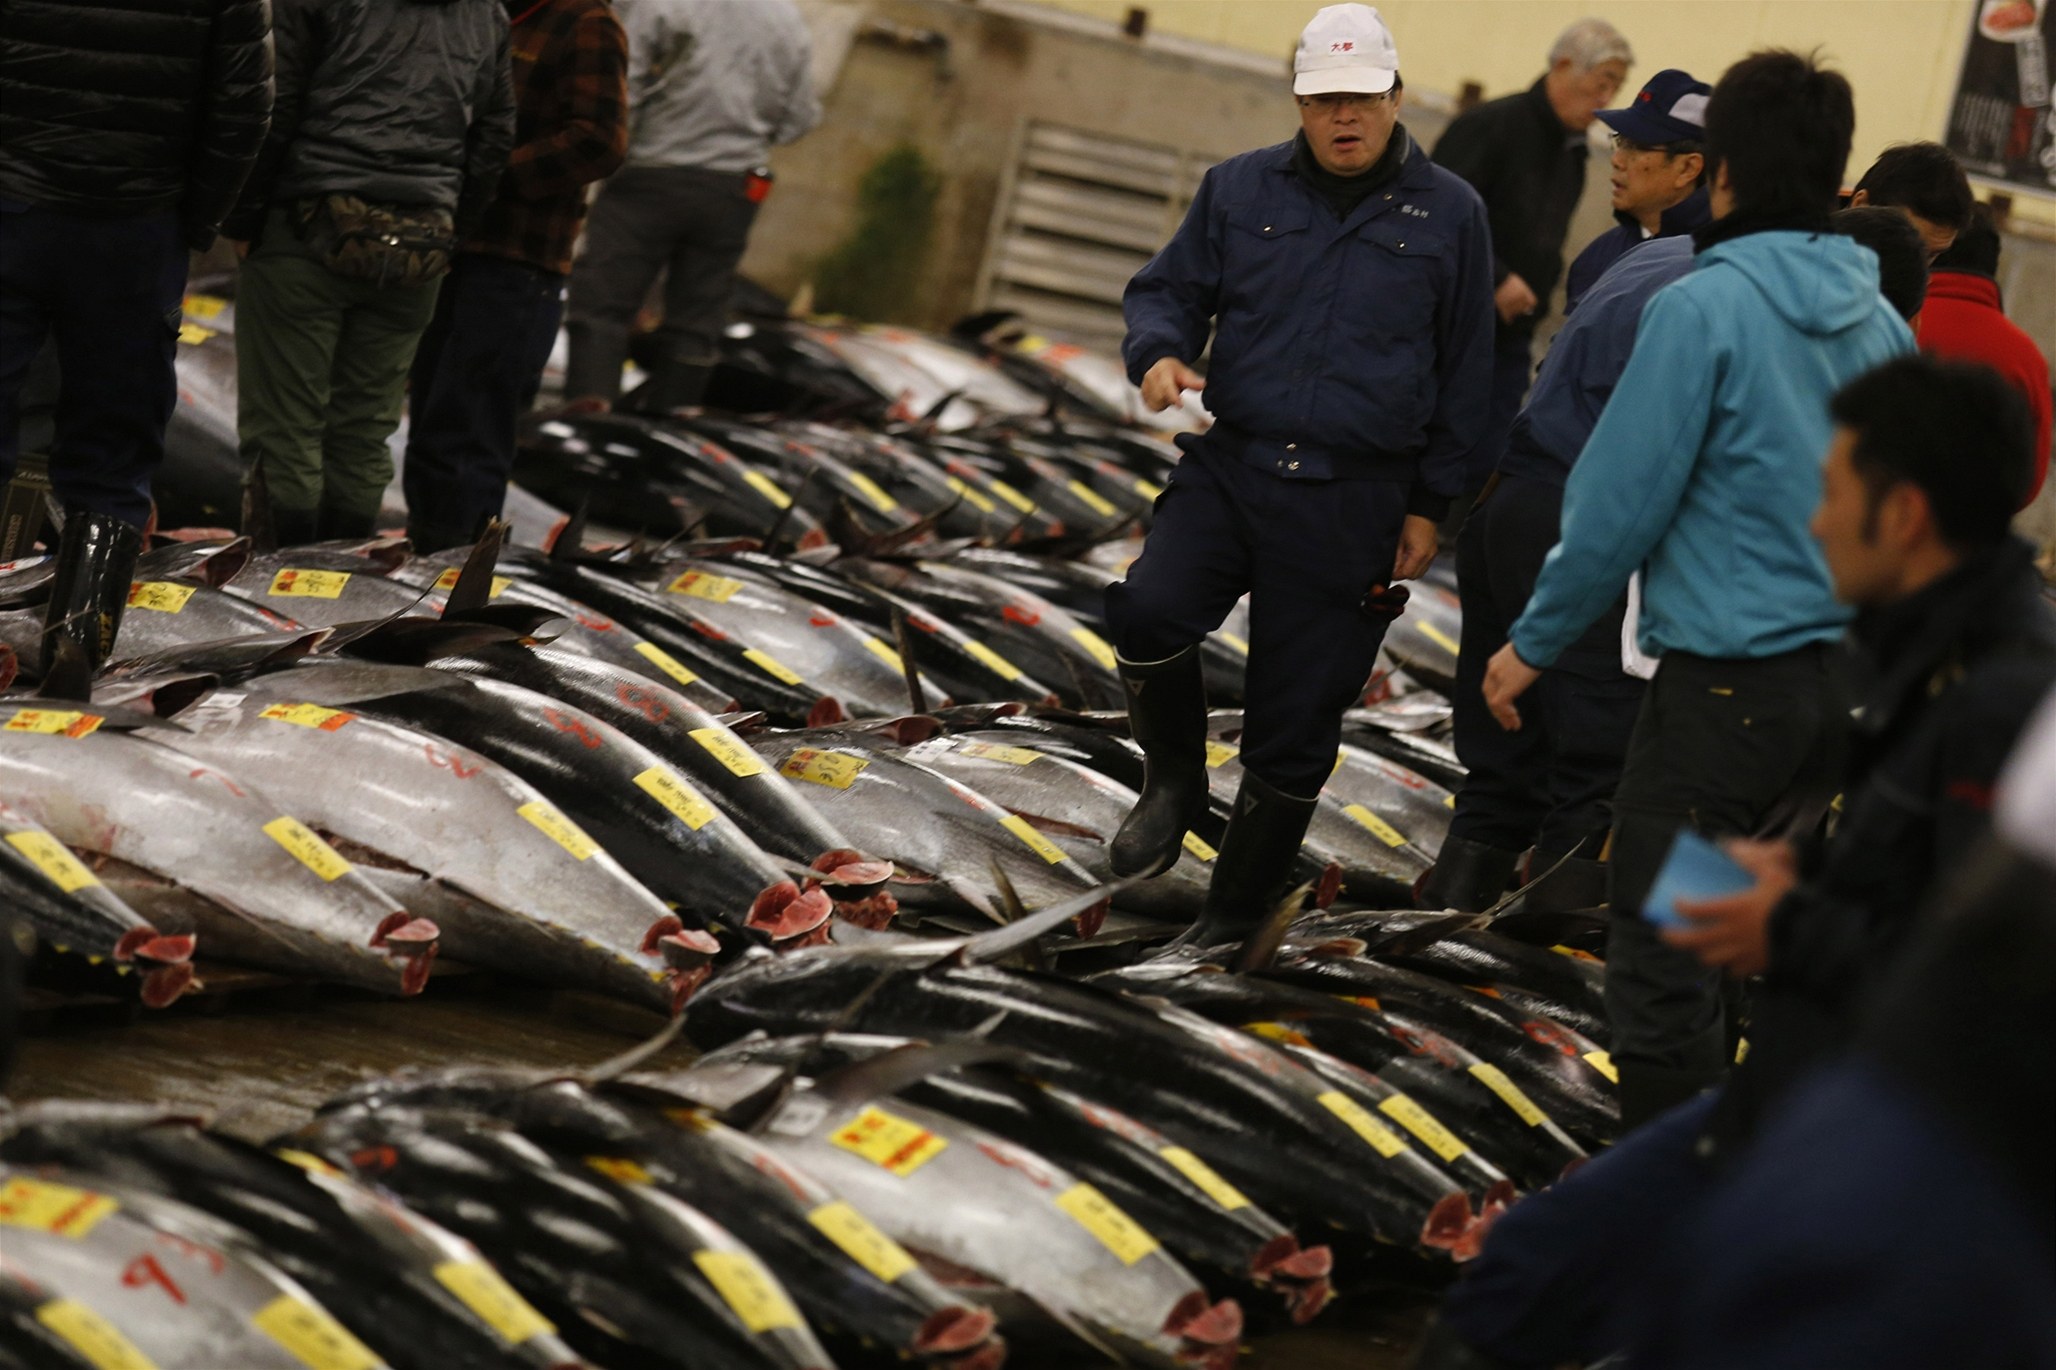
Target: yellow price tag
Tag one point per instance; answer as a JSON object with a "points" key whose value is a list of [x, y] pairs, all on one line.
{"points": [[309, 716], [192, 333], [42, 1206], [1239, 644], [729, 750], [747, 1288], [1574, 953], [665, 662], [92, 1336], [307, 1161], [309, 584], [54, 722], [306, 847], [767, 487], [1496, 1080], [1602, 1062], [162, 596], [448, 581], [1149, 490], [991, 660], [619, 1168], [860, 1241], [836, 770], [971, 495], [685, 803], [1129, 1240], [1382, 1139], [1379, 828], [493, 1301], [1010, 495], [1424, 1125], [1094, 500], [1033, 840], [1449, 801], [559, 829], [702, 585], [884, 653], [1437, 636], [317, 1340], [1220, 753], [993, 751], [1197, 845], [1208, 1179], [1741, 1050], [1277, 1032], [888, 1141], [771, 666], [874, 492], [53, 859], [204, 306], [1097, 647]]}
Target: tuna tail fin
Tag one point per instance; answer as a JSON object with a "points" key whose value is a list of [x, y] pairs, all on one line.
{"points": [[1260, 949], [474, 587], [1029, 956], [1023, 931], [917, 698], [902, 1067], [614, 1067]]}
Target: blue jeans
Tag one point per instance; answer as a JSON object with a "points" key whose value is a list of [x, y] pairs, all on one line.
{"points": [[107, 291], [475, 373]]}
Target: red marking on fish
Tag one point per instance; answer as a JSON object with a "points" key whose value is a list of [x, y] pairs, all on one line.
{"points": [[779, 1173], [144, 1270], [822, 621], [207, 1255], [453, 762], [1026, 617], [565, 723], [1014, 1160], [231, 786], [1551, 1035], [645, 702]]}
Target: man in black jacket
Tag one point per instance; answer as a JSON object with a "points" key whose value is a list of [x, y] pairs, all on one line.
{"points": [[322, 344], [125, 135], [1927, 462], [1525, 154]]}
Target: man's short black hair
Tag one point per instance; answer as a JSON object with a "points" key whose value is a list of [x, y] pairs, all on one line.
{"points": [[1901, 251], [1781, 124], [1923, 177], [1958, 432], [1976, 247]]}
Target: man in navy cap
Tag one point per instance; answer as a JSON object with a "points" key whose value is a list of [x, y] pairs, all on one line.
{"points": [[1659, 173], [1346, 282]]}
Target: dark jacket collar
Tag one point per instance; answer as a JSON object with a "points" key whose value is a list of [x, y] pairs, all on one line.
{"points": [[1685, 216], [1416, 172], [1971, 287], [1743, 222], [1544, 112], [1910, 644]]}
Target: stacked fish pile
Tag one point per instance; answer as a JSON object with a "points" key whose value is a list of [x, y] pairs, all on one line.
{"points": [[827, 774]]}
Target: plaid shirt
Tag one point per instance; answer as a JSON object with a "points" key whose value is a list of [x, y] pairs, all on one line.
{"points": [[571, 129]]}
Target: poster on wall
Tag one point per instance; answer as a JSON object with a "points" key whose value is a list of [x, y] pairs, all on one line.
{"points": [[2002, 124]]}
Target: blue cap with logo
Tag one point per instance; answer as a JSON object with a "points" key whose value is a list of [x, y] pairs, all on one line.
{"points": [[1670, 108]]}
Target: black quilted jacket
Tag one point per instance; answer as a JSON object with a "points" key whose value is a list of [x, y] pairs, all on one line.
{"points": [[133, 106]]}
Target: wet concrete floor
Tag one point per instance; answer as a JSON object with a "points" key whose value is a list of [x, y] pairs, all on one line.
{"points": [[261, 1060]]}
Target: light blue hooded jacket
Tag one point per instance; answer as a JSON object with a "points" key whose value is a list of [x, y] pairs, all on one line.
{"points": [[1705, 468]]}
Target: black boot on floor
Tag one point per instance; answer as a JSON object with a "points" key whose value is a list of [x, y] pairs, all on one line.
{"points": [[96, 558], [1647, 1091], [1167, 715], [1443, 1349], [1467, 876], [672, 385], [1564, 884], [294, 527], [1255, 863], [334, 525]]}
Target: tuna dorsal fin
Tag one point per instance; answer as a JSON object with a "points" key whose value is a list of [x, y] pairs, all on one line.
{"points": [[1261, 947], [569, 543], [614, 1067], [474, 587], [225, 562], [1028, 956], [990, 946], [917, 697], [892, 1071]]}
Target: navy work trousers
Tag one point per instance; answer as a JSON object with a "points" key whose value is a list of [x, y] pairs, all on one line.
{"points": [[1549, 785], [107, 290], [1306, 552], [475, 373], [1513, 370]]}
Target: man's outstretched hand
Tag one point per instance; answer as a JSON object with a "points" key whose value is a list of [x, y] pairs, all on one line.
{"points": [[1164, 383]]}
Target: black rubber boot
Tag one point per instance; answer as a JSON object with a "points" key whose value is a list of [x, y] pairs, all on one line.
{"points": [[430, 537], [294, 527], [1443, 1349], [1467, 876], [96, 558], [1564, 884], [1647, 1091], [332, 524], [672, 385], [1167, 716], [1255, 863]]}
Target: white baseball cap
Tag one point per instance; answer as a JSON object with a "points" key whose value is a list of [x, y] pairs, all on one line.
{"points": [[1345, 50]]}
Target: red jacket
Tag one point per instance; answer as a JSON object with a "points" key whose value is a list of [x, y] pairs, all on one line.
{"points": [[1962, 321]]}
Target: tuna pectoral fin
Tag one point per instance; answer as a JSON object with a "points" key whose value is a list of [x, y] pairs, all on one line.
{"points": [[903, 1067], [474, 587], [1023, 931]]}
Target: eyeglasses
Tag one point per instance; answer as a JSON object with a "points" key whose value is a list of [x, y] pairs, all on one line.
{"points": [[1336, 103]]}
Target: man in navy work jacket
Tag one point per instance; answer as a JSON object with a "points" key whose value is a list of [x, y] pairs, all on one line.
{"points": [[1347, 283], [1659, 174]]}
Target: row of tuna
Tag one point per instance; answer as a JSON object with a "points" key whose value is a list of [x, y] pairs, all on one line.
{"points": [[896, 1150]]}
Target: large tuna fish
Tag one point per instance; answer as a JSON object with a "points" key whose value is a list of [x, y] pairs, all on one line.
{"points": [[208, 847], [319, 585], [417, 1295], [146, 1280]]}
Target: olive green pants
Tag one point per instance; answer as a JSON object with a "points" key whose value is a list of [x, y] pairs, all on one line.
{"points": [[321, 374]]}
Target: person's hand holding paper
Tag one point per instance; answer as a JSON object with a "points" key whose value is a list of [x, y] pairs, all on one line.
{"points": [[1716, 902]]}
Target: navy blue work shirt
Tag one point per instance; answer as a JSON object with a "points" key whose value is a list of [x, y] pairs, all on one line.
{"points": [[1344, 348]]}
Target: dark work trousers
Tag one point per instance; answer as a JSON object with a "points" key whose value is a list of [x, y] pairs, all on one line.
{"points": [[1513, 370], [1549, 785], [475, 373], [1727, 748], [687, 222], [1306, 552], [1559, 1279], [107, 290]]}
